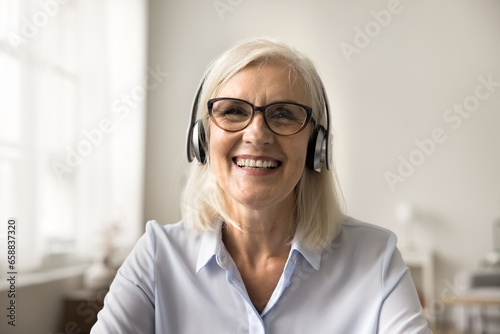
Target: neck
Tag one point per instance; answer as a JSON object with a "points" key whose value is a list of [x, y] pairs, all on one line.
{"points": [[261, 235]]}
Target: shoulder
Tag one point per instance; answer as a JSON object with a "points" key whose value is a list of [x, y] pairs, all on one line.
{"points": [[351, 222], [153, 226], [176, 235], [170, 245], [158, 238], [354, 229], [364, 242], [165, 243]]}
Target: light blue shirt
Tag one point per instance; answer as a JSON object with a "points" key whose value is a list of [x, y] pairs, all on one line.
{"points": [[180, 281]]}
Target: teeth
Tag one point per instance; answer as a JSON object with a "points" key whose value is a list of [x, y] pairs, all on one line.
{"points": [[250, 163]]}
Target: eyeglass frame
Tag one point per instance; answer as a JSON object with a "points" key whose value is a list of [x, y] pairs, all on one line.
{"points": [[262, 109]]}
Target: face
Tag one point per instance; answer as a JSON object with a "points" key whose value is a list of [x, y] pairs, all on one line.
{"points": [[236, 157]]}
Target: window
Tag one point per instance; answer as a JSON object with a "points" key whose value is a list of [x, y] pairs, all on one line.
{"points": [[56, 87]]}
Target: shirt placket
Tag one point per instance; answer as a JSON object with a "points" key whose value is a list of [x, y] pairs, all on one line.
{"points": [[256, 323], [233, 277]]}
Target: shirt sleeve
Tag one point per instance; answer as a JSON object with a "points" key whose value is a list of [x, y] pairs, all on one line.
{"points": [[129, 306], [401, 311]]}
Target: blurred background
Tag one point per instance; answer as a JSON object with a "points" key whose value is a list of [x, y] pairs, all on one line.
{"points": [[95, 102]]}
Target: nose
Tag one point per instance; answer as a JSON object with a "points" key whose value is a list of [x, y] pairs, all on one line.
{"points": [[257, 132]]}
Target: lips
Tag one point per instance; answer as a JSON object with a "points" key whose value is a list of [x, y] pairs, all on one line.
{"points": [[256, 163]]}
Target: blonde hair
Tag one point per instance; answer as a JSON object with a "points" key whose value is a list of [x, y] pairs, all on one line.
{"points": [[317, 202]]}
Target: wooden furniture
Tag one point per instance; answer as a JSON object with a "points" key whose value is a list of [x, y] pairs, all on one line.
{"points": [[421, 264], [478, 300], [80, 310]]}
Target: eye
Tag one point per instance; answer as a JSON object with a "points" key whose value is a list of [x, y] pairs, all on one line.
{"points": [[283, 113], [233, 114], [233, 111]]}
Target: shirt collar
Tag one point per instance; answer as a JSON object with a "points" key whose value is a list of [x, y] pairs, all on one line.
{"points": [[311, 256], [211, 246]]}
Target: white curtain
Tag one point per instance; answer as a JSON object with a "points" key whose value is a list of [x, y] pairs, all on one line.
{"points": [[114, 49], [73, 123]]}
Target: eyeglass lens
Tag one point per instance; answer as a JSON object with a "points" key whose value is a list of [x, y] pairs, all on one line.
{"points": [[282, 118]]}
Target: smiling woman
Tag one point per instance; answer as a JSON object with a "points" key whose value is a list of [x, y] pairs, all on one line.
{"points": [[298, 84], [265, 191], [260, 212]]}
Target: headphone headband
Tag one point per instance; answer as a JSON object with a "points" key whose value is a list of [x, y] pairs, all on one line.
{"points": [[327, 157], [191, 149]]}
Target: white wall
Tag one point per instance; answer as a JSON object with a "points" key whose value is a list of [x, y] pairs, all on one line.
{"points": [[394, 91]]}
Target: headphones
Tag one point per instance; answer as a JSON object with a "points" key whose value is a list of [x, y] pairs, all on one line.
{"points": [[318, 149]]}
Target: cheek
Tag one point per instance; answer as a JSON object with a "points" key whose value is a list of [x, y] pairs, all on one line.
{"points": [[298, 149], [219, 147], [214, 141], [297, 154]]}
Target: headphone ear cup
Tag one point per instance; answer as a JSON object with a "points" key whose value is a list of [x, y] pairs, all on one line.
{"points": [[315, 149], [311, 147], [199, 142]]}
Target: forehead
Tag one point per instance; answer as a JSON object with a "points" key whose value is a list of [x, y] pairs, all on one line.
{"points": [[265, 82]]}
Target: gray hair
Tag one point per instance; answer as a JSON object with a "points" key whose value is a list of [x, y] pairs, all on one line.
{"points": [[317, 209]]}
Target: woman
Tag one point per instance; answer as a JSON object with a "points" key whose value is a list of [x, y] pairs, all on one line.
{"points": [[263, 246]]}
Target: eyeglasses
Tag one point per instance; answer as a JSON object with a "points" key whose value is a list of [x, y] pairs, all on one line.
{"points": [[282, 118]]}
